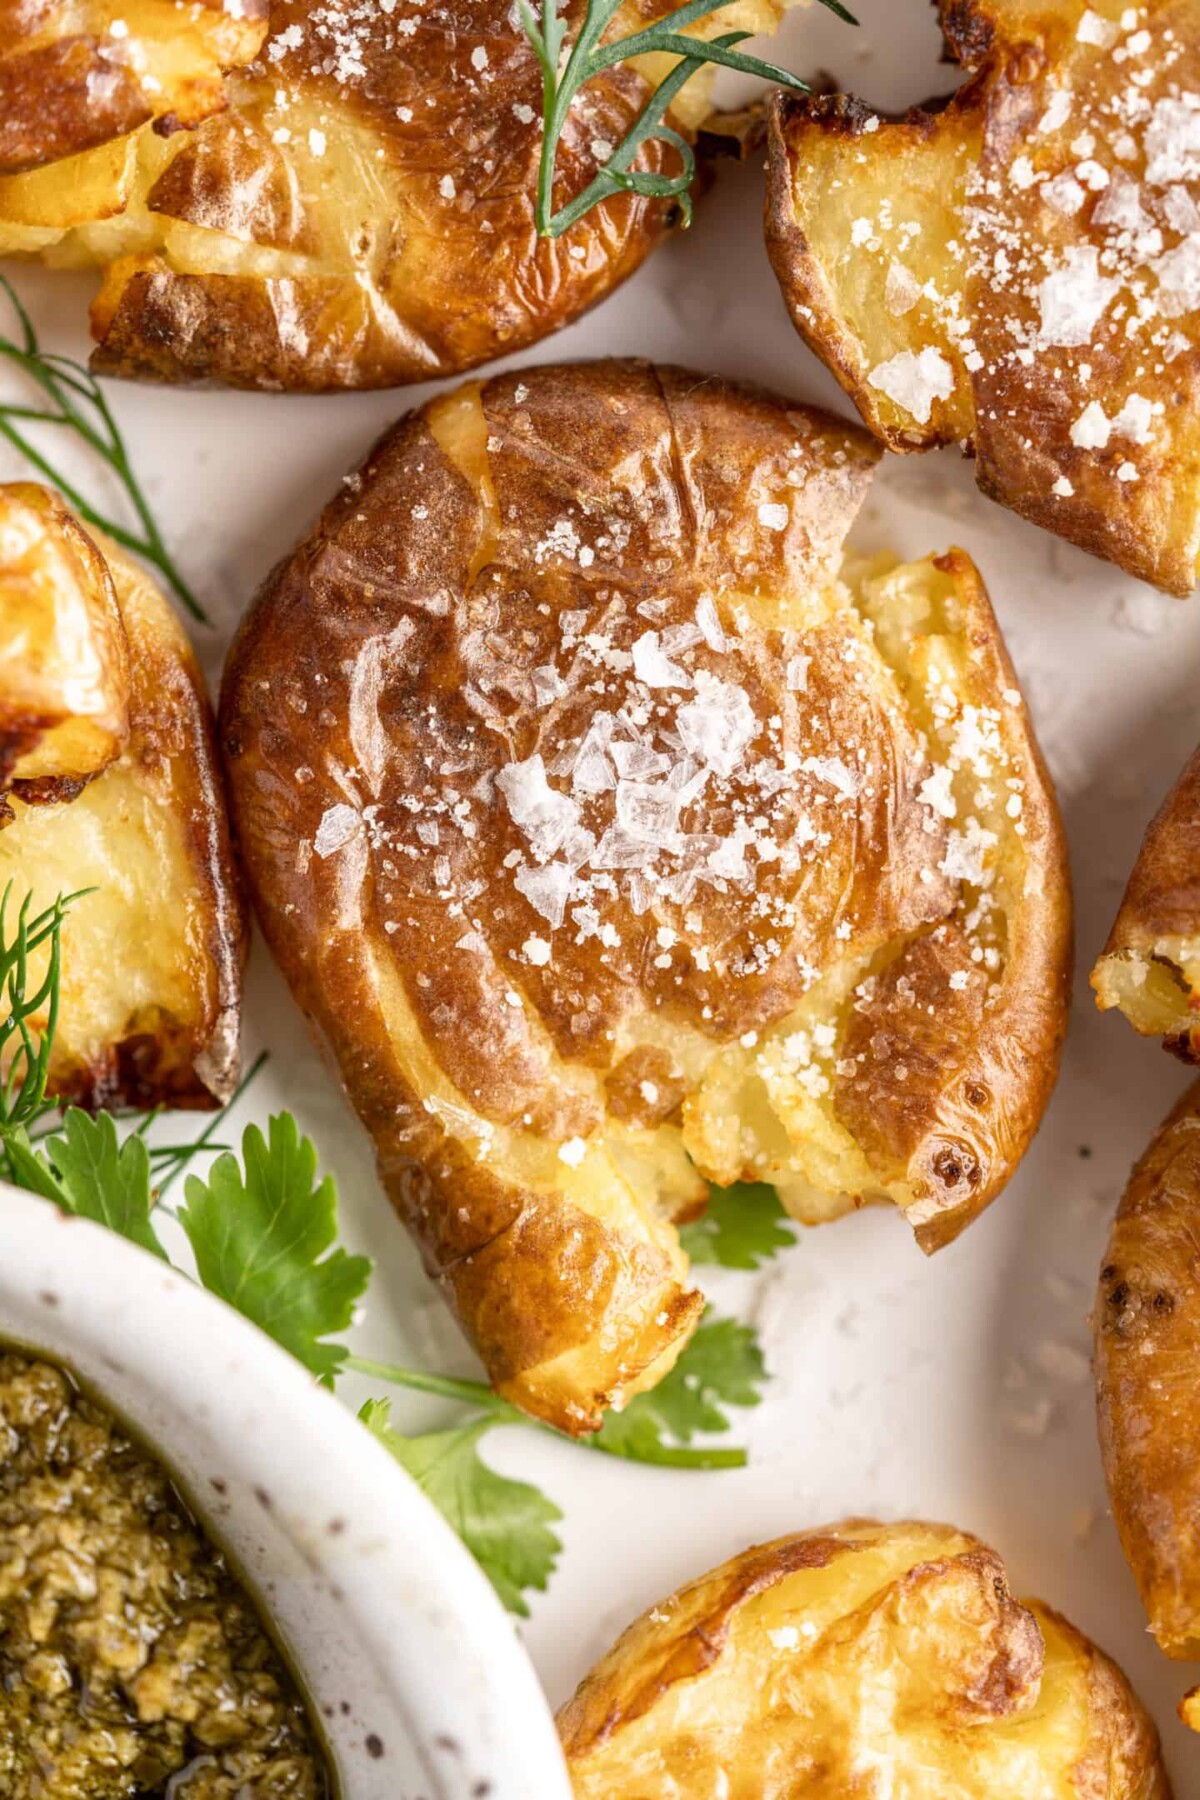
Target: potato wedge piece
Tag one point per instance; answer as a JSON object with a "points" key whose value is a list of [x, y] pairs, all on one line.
{"points": [[74, 77], [613, 843], [362, 216], [1018, 271], [64, 661], [1151, 963], [1147, 1332], [151, 987], [800, 1667]]}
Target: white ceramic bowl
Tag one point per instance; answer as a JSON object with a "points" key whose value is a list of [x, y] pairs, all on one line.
{"points": [[423, 1688]]}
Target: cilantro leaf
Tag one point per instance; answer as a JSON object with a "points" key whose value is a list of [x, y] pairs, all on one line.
{"points": [[722, 1366], [744, 1227], [506, 1525], [86, 1170], [259, 1236]]}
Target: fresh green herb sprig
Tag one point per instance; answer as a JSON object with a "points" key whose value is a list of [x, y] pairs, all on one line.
{"points": [[508, 1525], [27, 1061], [565, 72], [263, 1235], [742, 1227], [71, 396]]}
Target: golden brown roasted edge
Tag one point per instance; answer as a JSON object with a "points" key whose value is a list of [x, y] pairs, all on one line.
{"points": [[1147, 1362], [1150, 967], [1010, 270], [152, 957], [802, 1662]]}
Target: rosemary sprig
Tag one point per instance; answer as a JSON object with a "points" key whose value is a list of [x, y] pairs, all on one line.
{"points": [[72, 396], [564, 73], [23, 1088]]}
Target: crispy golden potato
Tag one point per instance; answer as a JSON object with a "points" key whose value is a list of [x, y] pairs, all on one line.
{"points": [[116, 787], [78, 76], [1019, 270], [64, 661], [362, 215], [1147, 1330], [861, 1658], [616, 845], [1150, 968]]}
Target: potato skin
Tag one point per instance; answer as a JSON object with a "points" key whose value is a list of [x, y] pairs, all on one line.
{"points": [[551, 1072], [69, 84], [797, 1668], [152, 959], [976, 286], [1147, 1359]]}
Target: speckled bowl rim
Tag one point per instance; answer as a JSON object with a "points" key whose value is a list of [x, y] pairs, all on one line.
{"points": [[441, 1647]]}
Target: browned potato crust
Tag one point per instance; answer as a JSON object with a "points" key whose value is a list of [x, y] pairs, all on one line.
{"points": [[1151, 963], [804, 1668], [363, 214], [614, 843], [151, 987], [76, 76], [1017, 271], [1147, 1326], [64, 660]]}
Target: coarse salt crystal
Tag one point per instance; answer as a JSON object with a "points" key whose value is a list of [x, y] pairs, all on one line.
{"points": [[338, 825], [1092, 429], [914, 381], [1074, 297], [773, 515], [572, 1152]]}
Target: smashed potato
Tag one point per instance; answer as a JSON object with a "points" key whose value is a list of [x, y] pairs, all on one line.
{"points": [[112, 783], [363, 213], [1147, 1359], [617, 845], [1150, 968], [810, 1668], [1018, 271], [76, 77]]}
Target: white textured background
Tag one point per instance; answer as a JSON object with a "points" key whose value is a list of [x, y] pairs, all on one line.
{"points": [[959, 1388]]}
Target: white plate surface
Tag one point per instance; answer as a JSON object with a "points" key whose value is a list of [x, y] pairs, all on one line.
{"points": [[957, 1388]]}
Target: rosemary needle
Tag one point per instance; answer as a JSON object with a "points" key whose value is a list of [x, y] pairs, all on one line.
{"points": [[73, 397], [565, 72]]}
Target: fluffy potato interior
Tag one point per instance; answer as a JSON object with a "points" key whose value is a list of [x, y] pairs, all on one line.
{"points": [[880, 216], [1158, 991], [897, 1652]]}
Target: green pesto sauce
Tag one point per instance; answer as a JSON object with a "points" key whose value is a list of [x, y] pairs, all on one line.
{"points": [[133, 1664]]}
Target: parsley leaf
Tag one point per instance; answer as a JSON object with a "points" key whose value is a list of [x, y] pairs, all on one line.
{"points": [[744, 1227], [722, 1366], [506, 1525], [258, 1237], [89, 1172]]}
